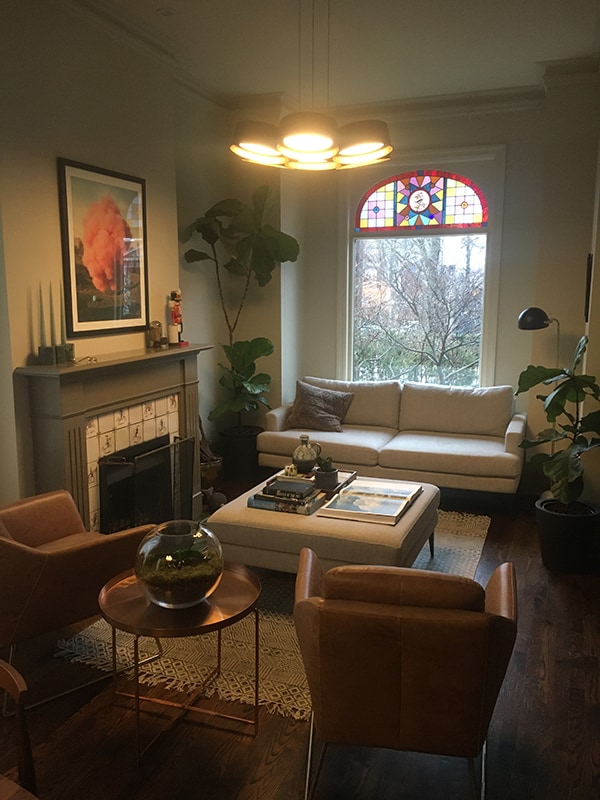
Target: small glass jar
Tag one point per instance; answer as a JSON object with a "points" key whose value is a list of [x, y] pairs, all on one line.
{"points": [[179, 563], [305, 455]]}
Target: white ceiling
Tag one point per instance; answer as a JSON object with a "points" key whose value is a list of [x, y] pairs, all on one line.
{"points": [[385, 50]]}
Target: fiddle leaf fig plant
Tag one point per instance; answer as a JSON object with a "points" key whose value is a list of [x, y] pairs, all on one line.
{"points": [[238, 240], [241, 242], [247, 387], [578, 431]]}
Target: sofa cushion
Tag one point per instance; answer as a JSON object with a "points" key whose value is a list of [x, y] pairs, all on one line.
{"points": [[358, 446], [318, 409], [374, 403], [450, 454], [484, 411]]}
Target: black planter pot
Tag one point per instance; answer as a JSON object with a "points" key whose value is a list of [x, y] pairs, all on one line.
{"points": [[238, 448], [326, 480], [568, 542]]}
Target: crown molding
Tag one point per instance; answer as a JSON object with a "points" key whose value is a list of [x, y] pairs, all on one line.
{"points": [[451, 105]]}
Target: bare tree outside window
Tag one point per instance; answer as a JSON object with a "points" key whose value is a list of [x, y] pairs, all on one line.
{"points": [[418, 308]]}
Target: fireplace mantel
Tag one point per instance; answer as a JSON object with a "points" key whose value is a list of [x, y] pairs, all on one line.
{"points": [[62, 398]]}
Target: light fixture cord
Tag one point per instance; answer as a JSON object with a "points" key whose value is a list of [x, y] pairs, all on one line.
{"points": [[300, 53], [313, 48], [328, 57]]}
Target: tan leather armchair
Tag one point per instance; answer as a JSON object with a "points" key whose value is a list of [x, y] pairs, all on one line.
{"points": [[403, 658], [51, 568]]}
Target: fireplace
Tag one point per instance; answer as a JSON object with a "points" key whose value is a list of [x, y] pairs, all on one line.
{"points": [[148, 482], [70, 416]]}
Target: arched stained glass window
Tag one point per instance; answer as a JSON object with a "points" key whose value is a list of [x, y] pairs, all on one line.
{"points": [[422, 199]]}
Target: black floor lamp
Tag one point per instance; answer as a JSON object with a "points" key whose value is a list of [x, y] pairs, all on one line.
{"points": [[534, 319]]}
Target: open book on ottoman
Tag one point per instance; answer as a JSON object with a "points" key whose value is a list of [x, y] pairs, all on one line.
{"points": [[368, 500]]}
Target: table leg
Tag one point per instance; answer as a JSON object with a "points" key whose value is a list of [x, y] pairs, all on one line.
{"points": [[136, 667], [114, 657], [256, 669], [431, 543]]}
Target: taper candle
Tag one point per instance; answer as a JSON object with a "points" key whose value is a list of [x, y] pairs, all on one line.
{"points": [[42, 320], [63, 319], [52, 321]]}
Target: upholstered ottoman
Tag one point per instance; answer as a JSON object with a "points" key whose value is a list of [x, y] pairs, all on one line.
{"points": [[273, 539]]}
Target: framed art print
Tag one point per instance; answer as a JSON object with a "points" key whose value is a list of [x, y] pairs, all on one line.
{"points": [[103, 231]]}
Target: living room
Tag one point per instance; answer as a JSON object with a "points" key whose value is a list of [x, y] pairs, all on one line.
{"points": [[78, 85]]}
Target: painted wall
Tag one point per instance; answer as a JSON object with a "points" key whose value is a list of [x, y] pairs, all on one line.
{"points": [[72, 86]]}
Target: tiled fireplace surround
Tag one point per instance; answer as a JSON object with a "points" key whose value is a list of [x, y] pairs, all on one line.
{"points": [[108, 433], [79, 413]]}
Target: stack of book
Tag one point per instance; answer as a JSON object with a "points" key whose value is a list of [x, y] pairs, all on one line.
{"points": [[296, 495]]}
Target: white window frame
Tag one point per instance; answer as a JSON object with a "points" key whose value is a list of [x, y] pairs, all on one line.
{"points": [[485, 166]]}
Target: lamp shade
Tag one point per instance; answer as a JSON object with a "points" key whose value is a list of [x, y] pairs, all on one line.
{"points": [[257, 141], [308, 132], [365, 137], [533, 319]]}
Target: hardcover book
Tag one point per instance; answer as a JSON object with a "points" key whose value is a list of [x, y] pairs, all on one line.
{"points": [[287, 488], [288, 505], [367, 500]]}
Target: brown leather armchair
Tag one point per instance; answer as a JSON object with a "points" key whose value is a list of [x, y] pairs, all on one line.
{"points": [[14, 685], [403, 658], [51, 568]]}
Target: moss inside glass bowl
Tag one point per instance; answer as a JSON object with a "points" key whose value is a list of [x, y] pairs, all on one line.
{"points": [[179, 564]]}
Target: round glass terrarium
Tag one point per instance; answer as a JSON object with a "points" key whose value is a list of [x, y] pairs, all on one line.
{"points": [[179, 563]]}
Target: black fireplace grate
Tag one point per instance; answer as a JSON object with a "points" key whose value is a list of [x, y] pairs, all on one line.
{"points": [[150, 482]]}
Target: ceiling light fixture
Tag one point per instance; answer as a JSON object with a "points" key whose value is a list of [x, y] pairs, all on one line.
{"points": [[312, 140]]}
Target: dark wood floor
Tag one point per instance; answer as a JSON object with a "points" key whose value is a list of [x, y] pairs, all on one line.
{"points": [[544, 741]]}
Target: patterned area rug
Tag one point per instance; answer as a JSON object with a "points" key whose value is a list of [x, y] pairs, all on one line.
{"points": [[187, 662]]}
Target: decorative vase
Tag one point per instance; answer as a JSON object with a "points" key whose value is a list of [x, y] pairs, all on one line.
{"points": [[327, 481], [305, 455], [179, 563], [568, 542]]}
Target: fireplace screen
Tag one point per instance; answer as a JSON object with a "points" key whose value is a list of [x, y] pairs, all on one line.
{"points": [[148, 482]]}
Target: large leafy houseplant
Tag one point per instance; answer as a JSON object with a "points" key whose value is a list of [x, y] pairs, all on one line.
{"points": [[239, 240], [577, 431], [569, 528]]}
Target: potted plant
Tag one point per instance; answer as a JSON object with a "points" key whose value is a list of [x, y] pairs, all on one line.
{"points": [[326, 475], [247, 389], [569, 528], [239, 241]]}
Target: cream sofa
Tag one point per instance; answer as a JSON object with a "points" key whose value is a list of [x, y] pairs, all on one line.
{"points": [[453, 437]]}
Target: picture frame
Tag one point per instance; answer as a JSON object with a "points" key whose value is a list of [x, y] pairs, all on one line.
{"points": [[104, 250]]}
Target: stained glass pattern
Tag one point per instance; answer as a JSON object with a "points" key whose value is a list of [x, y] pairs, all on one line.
{"points": [[422, 199]]}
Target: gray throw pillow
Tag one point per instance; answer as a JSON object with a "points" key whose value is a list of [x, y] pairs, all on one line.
{"points": [[318, 409]]}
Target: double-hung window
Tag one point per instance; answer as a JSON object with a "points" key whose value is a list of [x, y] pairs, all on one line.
{"points": [[418, 279]]}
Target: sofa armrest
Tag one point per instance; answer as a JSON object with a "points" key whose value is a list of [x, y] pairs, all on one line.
{"points": [[275, 419], [515, 433]]}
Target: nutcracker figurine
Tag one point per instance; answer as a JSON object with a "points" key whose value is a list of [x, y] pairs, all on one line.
{"points": [[176, 324]]}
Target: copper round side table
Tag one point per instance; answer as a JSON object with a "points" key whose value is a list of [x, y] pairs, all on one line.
{"points": [[125, 607]]}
